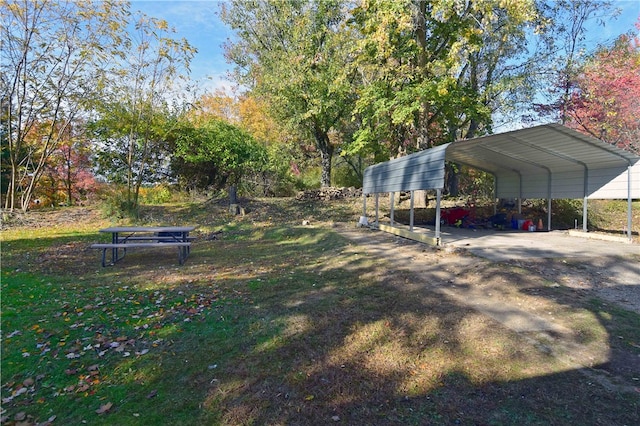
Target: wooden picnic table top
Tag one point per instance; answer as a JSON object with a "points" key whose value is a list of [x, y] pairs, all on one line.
{"points": [[118, 229]]}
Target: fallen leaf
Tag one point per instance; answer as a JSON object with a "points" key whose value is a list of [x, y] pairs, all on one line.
{"points": [[104, 408]]}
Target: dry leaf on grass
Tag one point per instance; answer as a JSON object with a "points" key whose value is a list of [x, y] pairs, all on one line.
{"points": [[104, 408]]}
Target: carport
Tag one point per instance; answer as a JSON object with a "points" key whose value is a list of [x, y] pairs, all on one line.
{"points": [[548, 161]]}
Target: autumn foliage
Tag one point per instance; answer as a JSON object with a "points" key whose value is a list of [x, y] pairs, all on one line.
{"points": [[607, 101]]}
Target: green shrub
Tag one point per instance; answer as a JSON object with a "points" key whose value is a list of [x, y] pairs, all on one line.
{"points": [[154, 195], [114, 203], [345, 176]]}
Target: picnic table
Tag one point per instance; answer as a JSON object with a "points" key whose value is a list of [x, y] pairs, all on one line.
{"points": [[127, 237]]}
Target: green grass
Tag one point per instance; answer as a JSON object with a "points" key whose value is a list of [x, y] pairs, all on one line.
{"points": [[272, 323]]}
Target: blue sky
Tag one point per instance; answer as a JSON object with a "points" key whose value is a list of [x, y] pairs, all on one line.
{"points": [[199, 23]]}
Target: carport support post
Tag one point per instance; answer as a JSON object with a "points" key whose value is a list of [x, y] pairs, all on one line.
{"points": [[495, 196], [519, 192], [585, 210], [377, 207], [585, 200], [549, 199], [629, 202], [411, 213], [393, 196], [438, 196]]}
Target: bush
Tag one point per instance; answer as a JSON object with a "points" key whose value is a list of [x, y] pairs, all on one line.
{"points": [[345, 176], [154, 195], [114, 203]]}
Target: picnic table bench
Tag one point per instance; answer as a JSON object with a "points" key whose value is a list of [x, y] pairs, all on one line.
{"points": [[128, 237]]}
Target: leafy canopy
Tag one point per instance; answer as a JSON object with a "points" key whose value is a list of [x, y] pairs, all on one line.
{"points": [[222, 148], [607, 100], [293, 55]]}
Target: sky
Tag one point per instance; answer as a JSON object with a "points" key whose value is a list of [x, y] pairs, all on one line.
{"points": [[199, 23]]}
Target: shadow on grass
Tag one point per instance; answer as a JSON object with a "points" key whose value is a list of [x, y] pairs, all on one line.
{"points": [[383, 350], [295, 325]]}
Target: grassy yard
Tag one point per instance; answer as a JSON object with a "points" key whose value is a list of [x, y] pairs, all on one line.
{"points": [[277, 323]]}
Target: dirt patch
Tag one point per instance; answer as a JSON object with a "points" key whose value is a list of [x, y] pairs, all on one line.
{"points": [[611, 278], [50, 218], [546, 301]]}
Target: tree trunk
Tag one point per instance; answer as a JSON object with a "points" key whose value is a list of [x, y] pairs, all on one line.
{"points": [[451, 175], [420, 198], [234, 207], [233, 194], [326, 156], [325, 179], [69, 183], [11, 191]]}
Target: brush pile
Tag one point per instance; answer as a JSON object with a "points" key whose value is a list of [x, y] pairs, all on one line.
{"points": [[329, 193]]}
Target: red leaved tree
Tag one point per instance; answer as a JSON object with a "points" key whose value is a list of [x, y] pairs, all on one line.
{"points": [[70, 173], [607, 102], [67, 177]]}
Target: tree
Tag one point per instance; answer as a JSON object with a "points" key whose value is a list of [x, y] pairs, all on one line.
{"points": [[292, 54], [51, 53], [282, 153], [219, 104], [252, 116], [135, 117], [606, 101], [563, 51], [69, 167], [131, 154], [221, 150], [435, 71]]}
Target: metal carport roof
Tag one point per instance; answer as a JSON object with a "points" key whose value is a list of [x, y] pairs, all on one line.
{"points": [[548, 161]]}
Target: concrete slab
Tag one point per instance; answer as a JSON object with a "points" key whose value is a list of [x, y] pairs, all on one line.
{"points": [[510, 244]]}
